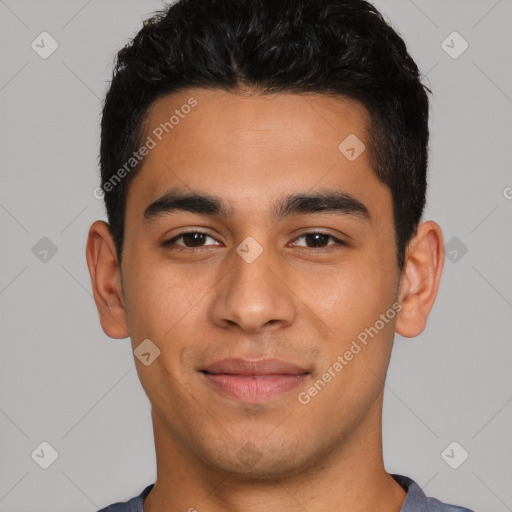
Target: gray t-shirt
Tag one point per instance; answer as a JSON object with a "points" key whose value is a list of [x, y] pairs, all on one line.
{"points": [[416, 500]]}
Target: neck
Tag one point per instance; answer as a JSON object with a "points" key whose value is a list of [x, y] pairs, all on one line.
{"points": [[350, 477]]}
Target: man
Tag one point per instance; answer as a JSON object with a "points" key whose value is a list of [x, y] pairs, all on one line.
{"points": [[264, 172]]}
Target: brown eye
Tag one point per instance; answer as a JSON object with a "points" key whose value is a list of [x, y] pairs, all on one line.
{"points": [[319, 240], [191, 240]]}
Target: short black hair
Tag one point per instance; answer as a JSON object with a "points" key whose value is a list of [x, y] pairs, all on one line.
{"points": [[332, 47]]}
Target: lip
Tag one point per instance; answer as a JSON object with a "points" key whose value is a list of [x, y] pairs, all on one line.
{"points": [[254, 380]]}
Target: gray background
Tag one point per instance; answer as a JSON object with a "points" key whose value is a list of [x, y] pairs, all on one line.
{"points": [[63, 381]]}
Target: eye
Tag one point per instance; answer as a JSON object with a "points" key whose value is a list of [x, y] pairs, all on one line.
{"points": [[194, 238], [318, 238]]}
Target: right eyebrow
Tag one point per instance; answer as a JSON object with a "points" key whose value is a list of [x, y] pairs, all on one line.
{"points": [[174, 200]]}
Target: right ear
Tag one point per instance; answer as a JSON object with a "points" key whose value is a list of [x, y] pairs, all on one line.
{"points": [[106, 280]]}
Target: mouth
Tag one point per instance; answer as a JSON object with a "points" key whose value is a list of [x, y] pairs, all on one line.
{"points": [[254, 380]]}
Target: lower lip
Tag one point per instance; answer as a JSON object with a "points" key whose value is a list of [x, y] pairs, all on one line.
{"points": [[254, 388]]}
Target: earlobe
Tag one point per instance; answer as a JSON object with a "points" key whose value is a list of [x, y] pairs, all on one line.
{"points": [[106, 280], [420, 279]]}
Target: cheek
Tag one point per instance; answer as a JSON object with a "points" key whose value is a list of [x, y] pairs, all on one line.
{"points": [[168, 304], [350, 301], [155, 299], [344, 296]]}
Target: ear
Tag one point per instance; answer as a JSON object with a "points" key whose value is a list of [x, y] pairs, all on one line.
{"points": [[420, 279], [106, 280]]}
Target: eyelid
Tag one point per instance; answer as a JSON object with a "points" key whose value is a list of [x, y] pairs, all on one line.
{"points": [[337, 239], [188, 231]]}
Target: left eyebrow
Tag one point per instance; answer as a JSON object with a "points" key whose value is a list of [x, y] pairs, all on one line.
{"points": [[329, 201]]}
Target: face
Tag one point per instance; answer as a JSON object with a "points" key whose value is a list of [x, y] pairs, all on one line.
{"points": [[254, 275]]}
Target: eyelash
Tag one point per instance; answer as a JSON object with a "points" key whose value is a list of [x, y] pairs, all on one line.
{"points": [[170, 244]]}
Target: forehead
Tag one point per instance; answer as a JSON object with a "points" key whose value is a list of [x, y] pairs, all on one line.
{"points": [[255, 118], [251, 148]]}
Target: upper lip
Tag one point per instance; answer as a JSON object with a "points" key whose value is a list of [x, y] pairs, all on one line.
{"points": [[267, 366]]}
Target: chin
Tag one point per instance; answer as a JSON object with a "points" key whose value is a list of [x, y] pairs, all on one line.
{"points": [[255, 462]]}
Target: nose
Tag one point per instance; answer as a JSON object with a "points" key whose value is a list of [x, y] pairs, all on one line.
{"points": [[254, 296]]}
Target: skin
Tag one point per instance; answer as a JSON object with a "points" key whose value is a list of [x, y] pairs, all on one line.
{"points": [[298, 301]]}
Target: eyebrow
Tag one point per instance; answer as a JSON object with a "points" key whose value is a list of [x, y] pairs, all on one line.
{"points": [[329, 201]]}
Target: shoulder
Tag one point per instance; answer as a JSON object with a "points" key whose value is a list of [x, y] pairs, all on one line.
{"points": [[417, 501], [132, 505]]}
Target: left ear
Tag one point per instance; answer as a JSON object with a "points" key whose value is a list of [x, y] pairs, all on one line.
{"points": [[420, 279], [106, 280]]}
